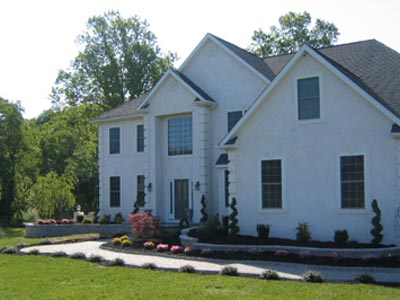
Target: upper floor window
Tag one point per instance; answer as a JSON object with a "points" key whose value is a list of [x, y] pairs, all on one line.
{"points": [[115, 191], [308, 98], [352, 181], [180, 136], [139, 138], [271, 181], [114, 138], [233, 118]]}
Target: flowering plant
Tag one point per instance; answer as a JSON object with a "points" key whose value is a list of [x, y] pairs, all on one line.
{"points": [[335, 256], [281, 253], [369, 257], [67, 221], [176, 249], [304, 254], [206, 251], [149, 245], [188, 250], [162, 247], [144, 225], [255, 251]]}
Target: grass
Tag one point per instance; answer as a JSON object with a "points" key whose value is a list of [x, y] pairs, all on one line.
{"points": [[43, 277], [15, 236]]}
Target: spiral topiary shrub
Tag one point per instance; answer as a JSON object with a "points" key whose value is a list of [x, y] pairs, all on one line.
{"points": [[303, 233], [204, 215], [376, 223], [233, 227]]}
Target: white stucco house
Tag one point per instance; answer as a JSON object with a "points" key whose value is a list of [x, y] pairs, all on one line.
{"points": [[308, 137]]}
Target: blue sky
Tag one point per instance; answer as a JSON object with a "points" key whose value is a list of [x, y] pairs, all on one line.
{"points": [[38, 37]]}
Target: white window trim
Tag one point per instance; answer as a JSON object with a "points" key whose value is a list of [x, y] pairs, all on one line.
{"points": [[180, 156], [283, 209], [321, 99], [367, 201], [108, 140]]}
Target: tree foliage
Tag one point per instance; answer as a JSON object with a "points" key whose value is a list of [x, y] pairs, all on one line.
{"points": [[294, 31], [11, 144], [119, 61]]}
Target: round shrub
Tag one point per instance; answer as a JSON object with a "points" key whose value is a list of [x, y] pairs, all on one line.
{"points": [[8, 250], [270, 275], [341, 236], [229, 271], [150, 266], [124, 237], [117, 262], [313, 276], [187, 269], [59, 254], [117, 241], [126, 243], [365, 278], [95, 258], [88, 221], [78, 255]]}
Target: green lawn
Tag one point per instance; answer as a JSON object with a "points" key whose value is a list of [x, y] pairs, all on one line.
{"points": [[42, 277]]}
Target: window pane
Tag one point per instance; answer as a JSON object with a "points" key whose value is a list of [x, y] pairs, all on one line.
{"points": [[115, 194], [271, 177], [140, 138], [180, 136], [140, 190], [233, 118], [308, 98], [114, 140], [352, 181], [226, 179]]}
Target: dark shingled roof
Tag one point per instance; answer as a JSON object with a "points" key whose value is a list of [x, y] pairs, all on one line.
{"points": [[253, 60], [194, 86], [370, 64], [124, 110]]}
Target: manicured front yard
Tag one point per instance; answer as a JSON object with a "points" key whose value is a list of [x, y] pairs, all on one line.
{"points": [[42, 277]]}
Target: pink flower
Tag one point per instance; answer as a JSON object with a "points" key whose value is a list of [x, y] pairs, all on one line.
{"points": [[149, 245], [206, 251], [369, 257], [188, 250], [281, 253], [176, 249], [304, 254], [162, 247], [335, 256]]}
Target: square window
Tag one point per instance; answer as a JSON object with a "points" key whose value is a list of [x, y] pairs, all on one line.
{"points": [[308, 98], [233, 118]]}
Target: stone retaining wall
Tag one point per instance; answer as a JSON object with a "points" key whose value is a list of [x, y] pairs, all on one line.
{"points": [[188, 241], [42, 231]]}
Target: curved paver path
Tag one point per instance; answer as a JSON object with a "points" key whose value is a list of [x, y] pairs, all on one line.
{"points": [[285, 270]]}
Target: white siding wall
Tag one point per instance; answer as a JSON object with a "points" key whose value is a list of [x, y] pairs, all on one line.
{"points": [[127, 164], [310, 153]]}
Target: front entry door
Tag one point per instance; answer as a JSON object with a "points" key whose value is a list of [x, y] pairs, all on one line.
{"points": [[181, 187]]}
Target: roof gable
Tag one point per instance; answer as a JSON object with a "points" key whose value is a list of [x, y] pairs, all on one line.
{"points": [[184, 81], [249, 60], [332, 66]]}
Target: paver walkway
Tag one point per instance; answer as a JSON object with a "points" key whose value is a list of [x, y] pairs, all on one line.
{"points": [[285, 270]]}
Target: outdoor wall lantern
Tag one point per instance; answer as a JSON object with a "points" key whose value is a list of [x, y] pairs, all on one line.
{"points": [[197, 186], [149, 187]]}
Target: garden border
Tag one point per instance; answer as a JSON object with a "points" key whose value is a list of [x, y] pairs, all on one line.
{"points": [[192, 242], [34, 230]]}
